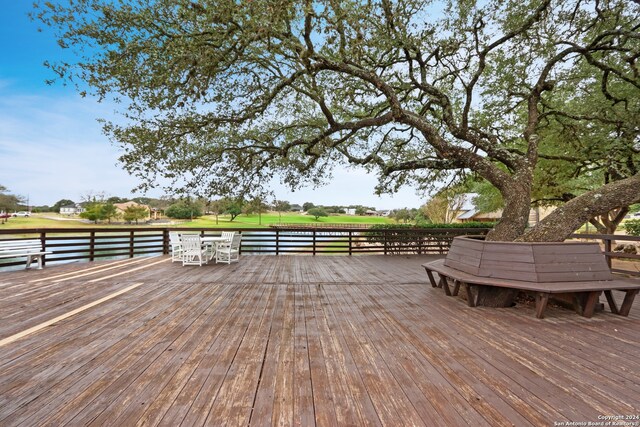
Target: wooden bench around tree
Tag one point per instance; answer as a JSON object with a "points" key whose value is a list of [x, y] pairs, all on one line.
{"points": [[30, 248], [576, 270]]}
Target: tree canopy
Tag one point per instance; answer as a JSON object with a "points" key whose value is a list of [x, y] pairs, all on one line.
{"points": [[316, 213], [94, 211], [445, 206], [223, 96], [8, 201], [135, 213], [184, 209]]}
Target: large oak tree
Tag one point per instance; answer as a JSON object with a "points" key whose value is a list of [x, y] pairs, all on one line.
{"points": [[221, 96]]}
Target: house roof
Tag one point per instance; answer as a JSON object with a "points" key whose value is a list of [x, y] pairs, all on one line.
{"points": [[469, 211], [490, 215], [474, 214], [125, 205], [468, 214]]}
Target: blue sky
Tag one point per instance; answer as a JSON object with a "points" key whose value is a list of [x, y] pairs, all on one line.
{"points": [[52, 147]]}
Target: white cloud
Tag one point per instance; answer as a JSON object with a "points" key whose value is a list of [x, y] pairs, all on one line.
{"points": [[53, 148]]}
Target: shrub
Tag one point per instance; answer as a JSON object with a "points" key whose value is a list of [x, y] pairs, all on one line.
{"points": [[430, 225], [183, 210], [403, 238], [632, 227]]}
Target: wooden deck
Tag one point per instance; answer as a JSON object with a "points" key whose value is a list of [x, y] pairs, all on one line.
{"points": [[295, 340]]}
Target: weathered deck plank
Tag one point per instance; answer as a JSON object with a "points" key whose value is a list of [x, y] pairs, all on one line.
{"points": [[298, 341]]}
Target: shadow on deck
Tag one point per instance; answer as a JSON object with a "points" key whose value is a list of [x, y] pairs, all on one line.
{"points": [[297, 340]]}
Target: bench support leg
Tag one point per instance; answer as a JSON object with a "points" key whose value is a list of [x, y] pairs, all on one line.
{"points": [[456, 288], [30, 259], [431, 279], [542, 299], [445, 285], [590, 304], [612, 302], [629, 296], [628, 301]]}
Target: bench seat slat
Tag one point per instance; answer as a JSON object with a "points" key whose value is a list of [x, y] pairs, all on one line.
{"points": [[21, 254], [20, 247]]}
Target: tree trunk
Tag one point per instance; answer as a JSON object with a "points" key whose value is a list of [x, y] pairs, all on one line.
{"points": [[497, 297], [563, 221], [515, 216], [609, 222]]}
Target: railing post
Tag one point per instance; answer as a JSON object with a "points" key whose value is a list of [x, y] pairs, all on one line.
{"points": [[131, 241], [92, 245], [314, 241], [384, 240], [165, 241], [607, 250], [43, 246], [277, 242], [350, 242]]}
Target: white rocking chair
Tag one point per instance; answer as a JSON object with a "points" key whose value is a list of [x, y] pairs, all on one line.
{"points": [[176, 246], [229, 252], [193, 252]]}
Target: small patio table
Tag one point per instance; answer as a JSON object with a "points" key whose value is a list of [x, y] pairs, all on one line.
{"points": [[211, 242]]}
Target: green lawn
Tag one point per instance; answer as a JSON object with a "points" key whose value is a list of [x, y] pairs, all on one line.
{"points": [[241, 221], [244, 221], [41, 221]]}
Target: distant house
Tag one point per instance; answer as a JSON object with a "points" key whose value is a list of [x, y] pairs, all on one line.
{"points": [[350, 211], [467, 212], [156, 213], [71, 209], [121, 207], [295, 208], [475, 216]]}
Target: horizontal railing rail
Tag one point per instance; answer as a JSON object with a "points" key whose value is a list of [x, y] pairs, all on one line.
{"points": [[607, 241], [88, 244]]}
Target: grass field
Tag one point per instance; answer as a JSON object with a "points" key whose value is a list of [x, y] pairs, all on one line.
{"points": [[241, 221], [264, 220], [42, 221]]}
